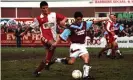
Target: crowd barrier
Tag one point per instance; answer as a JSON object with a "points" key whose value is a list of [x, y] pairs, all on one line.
{"points": [[123, 42], [33, 40], [28, 40]]}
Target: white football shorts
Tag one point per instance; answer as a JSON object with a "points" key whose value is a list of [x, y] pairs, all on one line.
{"points": [[77, 50]]}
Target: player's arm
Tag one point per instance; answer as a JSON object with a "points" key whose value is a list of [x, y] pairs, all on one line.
{"points": [[33, 25], [127, 34], [100, 20], [63, 36], [122, 30], [89, 23], [61, 18]]}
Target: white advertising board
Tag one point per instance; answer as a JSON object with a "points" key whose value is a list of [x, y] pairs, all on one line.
{"points": [[123, 42]]}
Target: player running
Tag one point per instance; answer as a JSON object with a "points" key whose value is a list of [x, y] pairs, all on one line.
{"points": [[111, 38], [47, 22], [76, 32], [117, 28]]}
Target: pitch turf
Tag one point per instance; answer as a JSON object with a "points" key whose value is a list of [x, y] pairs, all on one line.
{"points": [[19, 63]]}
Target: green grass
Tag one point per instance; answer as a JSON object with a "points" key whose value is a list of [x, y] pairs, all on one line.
{"points": [[19, 63]]}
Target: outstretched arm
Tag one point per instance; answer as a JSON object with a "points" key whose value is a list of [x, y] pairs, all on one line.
{"points": [[122, 29], [100, 20], [63, 37], [89, 23]]}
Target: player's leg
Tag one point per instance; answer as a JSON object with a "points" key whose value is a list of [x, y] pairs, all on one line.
{"points": [[112, 44], [102, 51], [109, 52], [74, 53], [49, 55], [84, 55], [113, 47], [40, 67], [107, 46], [46, 62], [118, 51], [86, 66], [68, 61]]}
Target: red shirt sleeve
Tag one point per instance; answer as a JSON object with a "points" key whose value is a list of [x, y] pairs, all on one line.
{"points": [[59, 17]]}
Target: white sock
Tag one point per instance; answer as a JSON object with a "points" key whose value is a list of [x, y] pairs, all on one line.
{"points": [[58, 60], [118, 51], [86, 70], [109, 52], [39, 72]]}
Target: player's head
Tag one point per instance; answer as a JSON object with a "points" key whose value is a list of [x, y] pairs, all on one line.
{"points": [[113, 17], [44, 7], [78, 17]]}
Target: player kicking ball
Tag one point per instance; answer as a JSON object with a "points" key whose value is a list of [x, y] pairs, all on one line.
{"points": [[76, 32]]}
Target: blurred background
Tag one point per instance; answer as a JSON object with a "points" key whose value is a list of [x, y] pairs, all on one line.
{"points": [[19, 14]]}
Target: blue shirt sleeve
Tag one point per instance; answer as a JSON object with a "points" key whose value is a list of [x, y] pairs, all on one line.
{"points": [[89, 24], [65, 34], [121, 27]]}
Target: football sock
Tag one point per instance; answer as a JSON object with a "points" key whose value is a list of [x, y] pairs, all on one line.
{"points": [[62, 60], [113, 52], [86, 69], [118, 51], [40, 67], [58, 60], [49, 56], [109, 52]]}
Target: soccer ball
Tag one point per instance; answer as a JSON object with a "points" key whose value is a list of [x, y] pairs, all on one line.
{"points": [[76, 74]]}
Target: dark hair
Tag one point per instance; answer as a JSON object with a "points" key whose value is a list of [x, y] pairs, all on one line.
{"points": [[112, 14], [43, 3], [78, 14]]}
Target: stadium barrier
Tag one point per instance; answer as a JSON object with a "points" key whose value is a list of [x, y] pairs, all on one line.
{"points": [[33, 40], [123, 42], [28, 40]]}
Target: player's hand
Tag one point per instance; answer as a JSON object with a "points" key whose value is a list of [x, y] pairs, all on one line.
{"points": [[22, 34]]}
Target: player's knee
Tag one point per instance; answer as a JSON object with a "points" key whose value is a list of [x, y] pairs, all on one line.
{"points": [[85, 57], [71, 62], [86, 60]]}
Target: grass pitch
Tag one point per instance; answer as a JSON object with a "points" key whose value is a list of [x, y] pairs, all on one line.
{"points": [[19, 63]]}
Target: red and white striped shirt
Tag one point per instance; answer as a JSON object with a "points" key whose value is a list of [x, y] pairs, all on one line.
{"points": [[48, 24], [110, 26]]}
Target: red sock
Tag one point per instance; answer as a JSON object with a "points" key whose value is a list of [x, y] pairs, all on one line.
{"points": [[40, 67], [49, 56], [113, 52]]}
